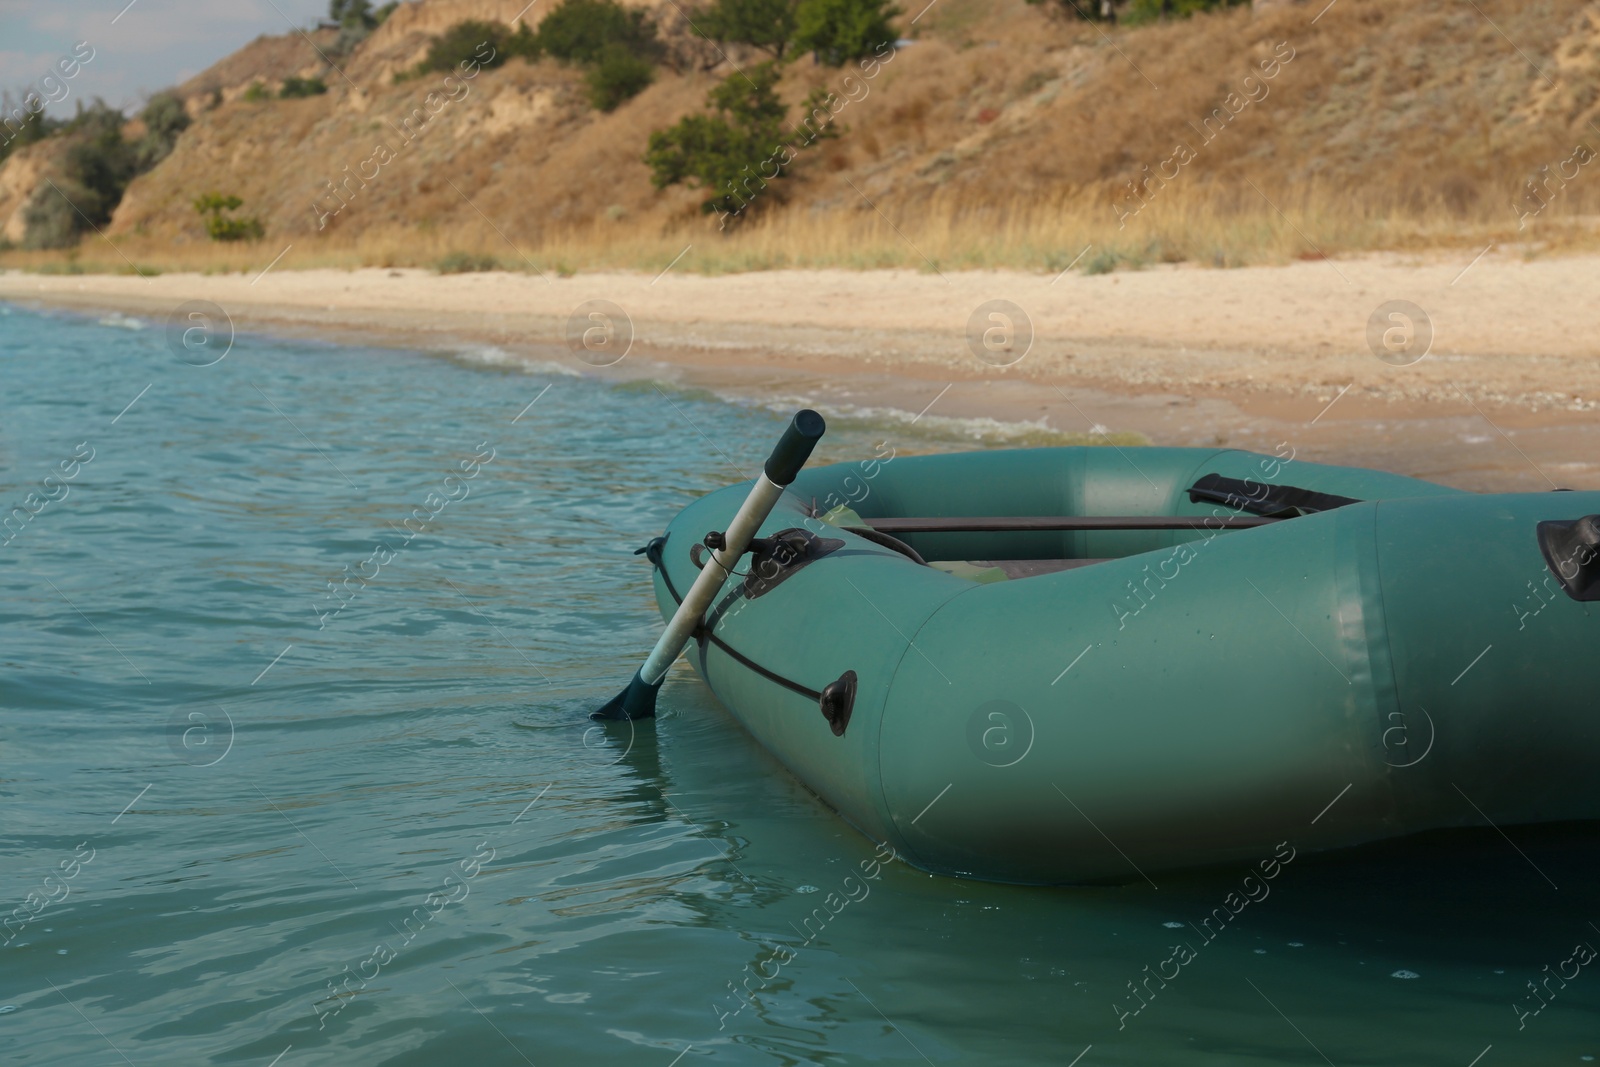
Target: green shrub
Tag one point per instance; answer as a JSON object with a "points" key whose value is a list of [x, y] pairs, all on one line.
{"points": [[210, 206], [356, 19], [730, 150], [49, 220], [580, 31], [617, 44], [465, 263], [164, 119], [100, 163], [257, 92], [1102, 263], [619, 76], [295, 88], [23, 123], [765, 24], [838, 31], [487, 44]]}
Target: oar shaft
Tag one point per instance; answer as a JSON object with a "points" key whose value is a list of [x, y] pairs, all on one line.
{"points": [[638, 700], [746, 521]]}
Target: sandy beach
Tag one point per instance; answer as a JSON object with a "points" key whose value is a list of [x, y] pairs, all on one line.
{"points": [[1503, 399]]}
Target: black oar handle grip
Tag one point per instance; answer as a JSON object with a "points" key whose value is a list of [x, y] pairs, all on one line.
{"points": [[794, 447]]}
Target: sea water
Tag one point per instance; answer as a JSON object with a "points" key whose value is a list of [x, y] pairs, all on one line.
{"points": [[296, 650]]}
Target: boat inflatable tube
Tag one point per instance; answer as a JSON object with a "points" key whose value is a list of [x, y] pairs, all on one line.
{"points": [[1128, 661]]}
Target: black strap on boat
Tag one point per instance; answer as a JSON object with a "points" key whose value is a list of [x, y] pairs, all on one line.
{"points": [[1258, 498], [703, 634], [1049, 523]]}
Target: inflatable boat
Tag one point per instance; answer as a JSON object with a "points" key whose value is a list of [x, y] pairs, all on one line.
{"points": [[1093, 665]]}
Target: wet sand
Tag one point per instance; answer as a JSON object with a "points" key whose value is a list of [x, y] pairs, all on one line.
{"points": [[1503, 400]]}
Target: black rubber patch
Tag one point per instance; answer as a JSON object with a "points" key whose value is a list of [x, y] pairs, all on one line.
{"points": [[1571, 550], [774, 560], [838, 700]]}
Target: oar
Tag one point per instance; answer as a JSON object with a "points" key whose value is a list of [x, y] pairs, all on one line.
{"points": [[638, 701]]}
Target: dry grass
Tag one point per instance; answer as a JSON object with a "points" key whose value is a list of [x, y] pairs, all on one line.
{"points": [[1201, 225]]}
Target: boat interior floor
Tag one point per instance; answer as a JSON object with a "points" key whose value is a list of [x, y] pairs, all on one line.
{"points": [[999, 570]]}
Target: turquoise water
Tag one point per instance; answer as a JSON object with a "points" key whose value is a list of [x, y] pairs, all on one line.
{"points": [[242, 818]]}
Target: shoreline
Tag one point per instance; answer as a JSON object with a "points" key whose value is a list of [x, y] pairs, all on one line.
{"points": [[1247, 358]]}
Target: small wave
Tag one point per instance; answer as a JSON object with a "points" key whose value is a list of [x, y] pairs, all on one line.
{"points": [[933, 431], [123, 322], [979, 429], [495, 356]]}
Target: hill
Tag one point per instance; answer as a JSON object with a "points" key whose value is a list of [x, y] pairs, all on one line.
{"points": [[998, 133]]}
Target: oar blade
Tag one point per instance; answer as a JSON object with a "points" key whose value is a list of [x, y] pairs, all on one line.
{"points": [[637, 701]]}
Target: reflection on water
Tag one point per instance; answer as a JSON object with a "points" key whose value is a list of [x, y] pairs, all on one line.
{"points": [[294, 680]]}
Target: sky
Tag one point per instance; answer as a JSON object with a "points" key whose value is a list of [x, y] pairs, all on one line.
{"points": [[137, 48]]}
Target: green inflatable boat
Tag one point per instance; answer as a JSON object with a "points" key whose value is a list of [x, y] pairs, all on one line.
{"points": [[1092, 665]]}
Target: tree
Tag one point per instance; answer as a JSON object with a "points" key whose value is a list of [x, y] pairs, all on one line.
{"points": [[23, 122], [101, 163], [765, 24], [620, 75], [488, 44], [164, 119], [49, 220], [352, 13], [838, 31], [356, 20], [579, 31], [736, 150]]}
